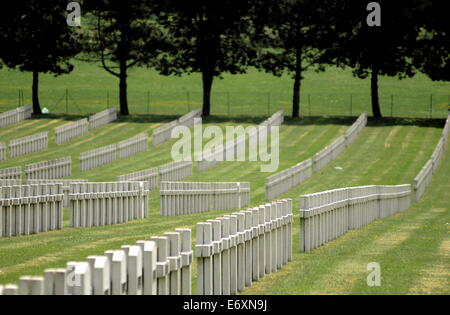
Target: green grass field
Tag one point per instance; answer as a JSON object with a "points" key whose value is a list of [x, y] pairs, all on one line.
{"points": [[333, 93], [412, 247]]}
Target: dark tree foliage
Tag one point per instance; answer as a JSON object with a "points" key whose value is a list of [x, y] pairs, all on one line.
{"points": [[35, 37], [374, 51], [121, 35], [293, 37], [208, 37], [432, 54]]}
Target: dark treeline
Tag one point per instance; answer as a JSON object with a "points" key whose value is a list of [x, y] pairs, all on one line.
{"points": [[177, 37]]}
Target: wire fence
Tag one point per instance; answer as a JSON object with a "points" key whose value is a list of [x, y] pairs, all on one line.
{"points": [[419, 105]]}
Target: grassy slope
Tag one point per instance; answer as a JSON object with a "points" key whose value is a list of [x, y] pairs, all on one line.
{"points": [[35, 253], [411, 247], [384, 154], [330, 93]]}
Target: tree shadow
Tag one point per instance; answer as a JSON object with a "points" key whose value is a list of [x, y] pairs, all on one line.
{"points": [[255, 120]]}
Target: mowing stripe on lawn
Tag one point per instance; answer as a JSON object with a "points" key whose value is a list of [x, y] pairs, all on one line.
{"points": [[56, 248], [339, 266]]}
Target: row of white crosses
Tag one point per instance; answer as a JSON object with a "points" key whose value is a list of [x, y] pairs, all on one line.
{"points": [[234, 149], [96, 158], [2, 152], [331, 152], [98, 204], [103, 118], [133, 146], [78, 128], [15, 116], [446, 131], [149, 176], [353, 132], [65, 182], [32, 209], [175, 171], [330, 214], [235, 250], [11, 173], [422, 180], [8, 118], [10, 182], [24, 112], [237, 147], [105, 155], [49, 169], [284, 181], [190, 119], [164, 133], [160, 266], [28, 145], [425, 176], [67, 132], [180, 198]]}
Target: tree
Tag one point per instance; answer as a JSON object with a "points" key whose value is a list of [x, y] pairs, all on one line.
{"points": [[432, 54], [209, 37], [35, 37], [377, 50], [294, 39], [122, 35]]}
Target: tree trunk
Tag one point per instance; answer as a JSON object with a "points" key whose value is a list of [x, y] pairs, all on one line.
{"points": [[35, 92], [123, 97], [208, 79], [297, 88], [376, 110]]}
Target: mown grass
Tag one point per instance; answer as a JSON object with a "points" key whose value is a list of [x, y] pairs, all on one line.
{"points": [[34, 253], [334, 93], [412, 247], [389, 152]]}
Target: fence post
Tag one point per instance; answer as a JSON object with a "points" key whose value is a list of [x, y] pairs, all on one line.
{"points": [[431, 106], [309, 104], [189, 101], [392, 106], [351, 105]]}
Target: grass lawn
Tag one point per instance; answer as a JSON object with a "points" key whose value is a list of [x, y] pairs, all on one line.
{"points": [[32, 254], [335, 92], [412, 248], [388, 152]]}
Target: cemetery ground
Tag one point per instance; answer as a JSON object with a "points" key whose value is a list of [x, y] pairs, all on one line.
{"points": [[412, 247]]}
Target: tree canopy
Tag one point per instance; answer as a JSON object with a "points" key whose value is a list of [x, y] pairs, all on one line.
{"points": [[432, 54], [122, 35], [213, 38], [377, 50], [209, 37], [35, 37], [294, 38]]}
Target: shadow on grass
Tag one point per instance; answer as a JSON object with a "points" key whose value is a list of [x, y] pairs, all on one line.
{"points": [[418, 122], [245, 119]]}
